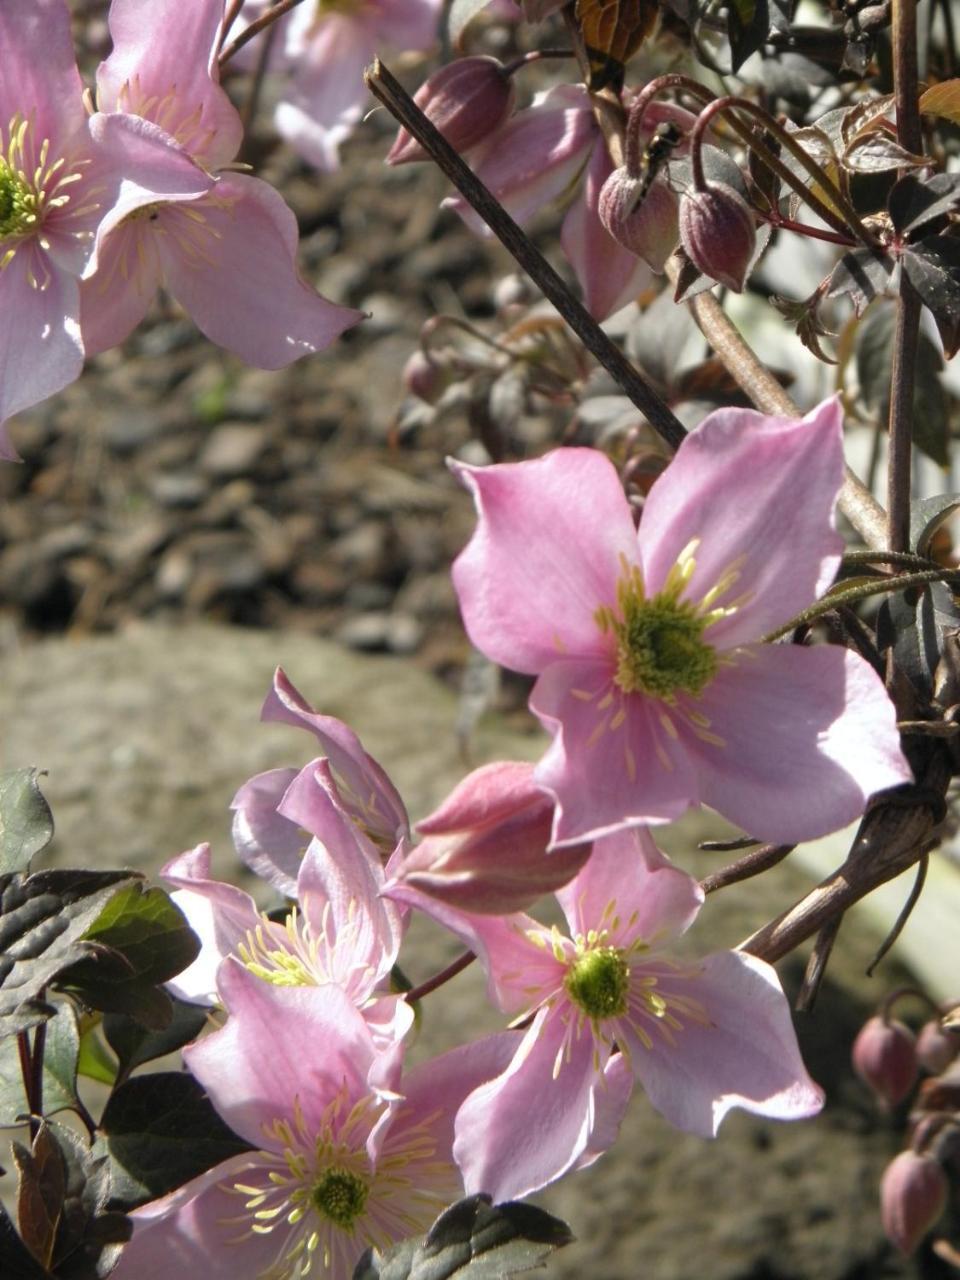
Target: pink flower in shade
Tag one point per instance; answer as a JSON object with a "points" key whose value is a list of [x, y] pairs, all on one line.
{"points": [[347, 1154], [356, 787], [652, 680], [325, 50], [223, 244], [701, 1036], [50, 188], [539, 156]]}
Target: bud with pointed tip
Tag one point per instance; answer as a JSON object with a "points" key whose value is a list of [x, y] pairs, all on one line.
{"points": [[936, 1048], [913, 1194], [641, 217], [467, 100], [425, 378], [485, 848], [718, 233], [885, 1058]]}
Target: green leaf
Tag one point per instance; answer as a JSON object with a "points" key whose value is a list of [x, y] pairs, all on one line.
{"points": [[140, 939], [472, 1240], [95, 1061], [41, 1191], [932, 266], [26, 823], [134, 1044], [43, 918], [61, 1048], [160, 1131]]}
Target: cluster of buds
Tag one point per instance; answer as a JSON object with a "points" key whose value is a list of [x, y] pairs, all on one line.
{"points": [[889, 1058]]}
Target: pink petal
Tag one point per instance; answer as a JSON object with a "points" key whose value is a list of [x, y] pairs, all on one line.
{"points": [[163, 67], [747, 1056], [328, 90], [40, 76], [488, 795], [610, 275], [116, 298], [365, 789], [234, 272], [272, 846], [221, 914], [606, 771], [610, 1100], [252, 1087], [809, 734], [40, 347], [520, 972], [527, 1127], [407, 24], [759, 492], [142, 165], [192, 1231], [535, 157], [545, 555], [628, 880]]}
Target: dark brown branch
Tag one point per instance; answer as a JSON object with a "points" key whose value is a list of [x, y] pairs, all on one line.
{"points": [[751, 864]]}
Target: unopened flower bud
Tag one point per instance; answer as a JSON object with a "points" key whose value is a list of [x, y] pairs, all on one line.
{"points": [[717, 231], [424, 378], [936, 1048], [639, 215], [485, 848], [467, 100], [885, 1058], [913, 1194]]}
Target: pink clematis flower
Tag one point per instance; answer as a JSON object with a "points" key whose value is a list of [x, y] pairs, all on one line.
{"points": [[357, 788], [50, 189], [222, 243], [651, 678], [325, 50], [347, 1153], [701, 1036]]}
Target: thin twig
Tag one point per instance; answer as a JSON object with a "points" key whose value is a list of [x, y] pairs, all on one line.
{"points": [[817, 966], [751, 864], [438, 979], [904, 916], [254, 29], [398, 102]]}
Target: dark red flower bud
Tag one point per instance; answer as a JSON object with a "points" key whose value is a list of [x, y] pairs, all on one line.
{"points": [[718, 233], [639, 215], [467, 100], [936, 1048], [424, 378], [885, 1058], [913, 1194]]}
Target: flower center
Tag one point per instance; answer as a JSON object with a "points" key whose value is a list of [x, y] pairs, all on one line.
{"points": [[660, 645], [599, 981], [18, 203], [340, 1196]]}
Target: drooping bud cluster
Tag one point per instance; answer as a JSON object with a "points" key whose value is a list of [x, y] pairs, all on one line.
{"points": [[640, 216]]}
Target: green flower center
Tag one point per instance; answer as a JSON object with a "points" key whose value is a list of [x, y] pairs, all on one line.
{"points": [[660, 645], [18, 203], [340, 1196], [598, 982]]}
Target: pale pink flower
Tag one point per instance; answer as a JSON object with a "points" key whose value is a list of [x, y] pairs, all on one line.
{"points": [[50, 188], [340, 931], [346, 1154], [222, 243], [324, 50], [355, 785], [651, 678], [701, 1036]]}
